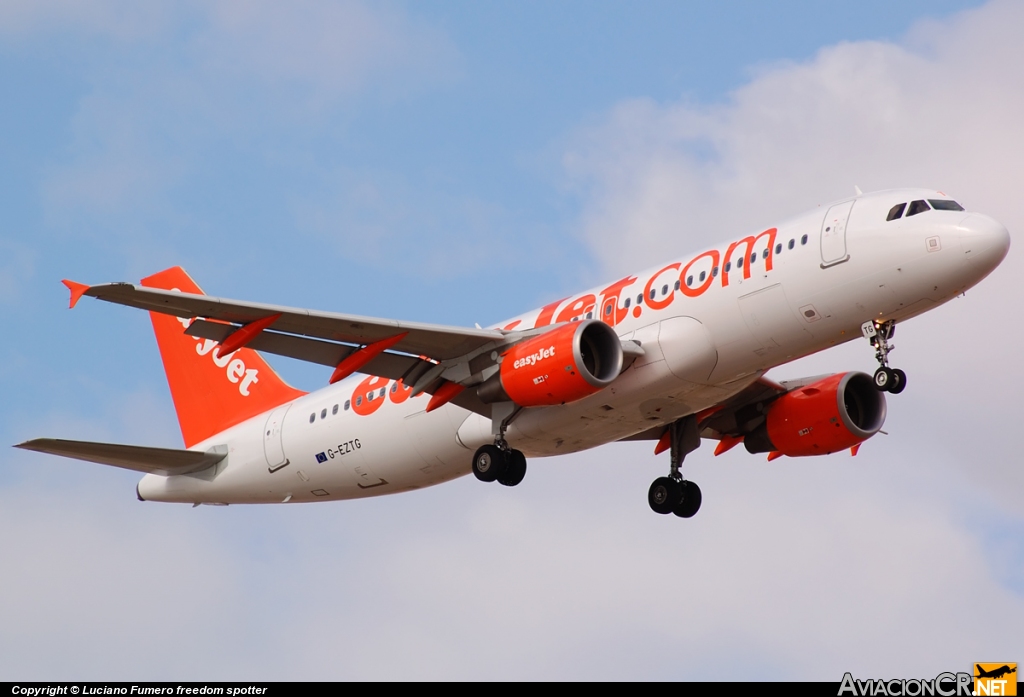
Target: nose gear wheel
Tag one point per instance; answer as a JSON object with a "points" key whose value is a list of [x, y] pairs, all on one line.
{"points": [[892, 380]]}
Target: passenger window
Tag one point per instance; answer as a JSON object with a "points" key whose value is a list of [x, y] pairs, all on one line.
{"points": [[703, 275], [764, 254], [753, 257], [778, 249], [676, 287], [359, 401], [394, 388], [383, 390], [803, 240], [590, 315], [739, 263], [607, 309], [714, 272], [664, 290], [917, 207], [792, 243], [348, 403], [334, 411], [653, 292], [626, 304], [941, 204], [728, 266], [312, 417], [640, 299], [323, 414], [896, 211], [689, 280]]}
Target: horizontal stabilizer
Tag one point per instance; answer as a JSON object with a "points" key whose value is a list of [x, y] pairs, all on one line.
{"points": [[163, 461]]}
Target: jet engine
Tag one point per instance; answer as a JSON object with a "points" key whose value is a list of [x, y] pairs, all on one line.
{"points": [[562, 365], [832, 414]]}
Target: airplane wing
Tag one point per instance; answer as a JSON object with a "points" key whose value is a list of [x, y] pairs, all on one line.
{"points": [[435, 341], [163, 461], [746, 410], [738, 415], [386, 365]]}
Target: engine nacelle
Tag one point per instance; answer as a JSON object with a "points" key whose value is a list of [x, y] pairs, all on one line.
{"points": [[827, 416], [559, 366]]}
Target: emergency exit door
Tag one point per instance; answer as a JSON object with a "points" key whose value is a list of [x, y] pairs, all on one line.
{"points": [[273, 439]]}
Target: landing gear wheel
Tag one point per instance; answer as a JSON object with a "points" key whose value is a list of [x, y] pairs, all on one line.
{"points": [[900, 381], [884, 379], [515, 468], [489, 463], [689, 504], [664, 495]]}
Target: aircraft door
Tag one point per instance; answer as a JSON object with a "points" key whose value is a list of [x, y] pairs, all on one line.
{"points": [[833, 234], [273, 439]]}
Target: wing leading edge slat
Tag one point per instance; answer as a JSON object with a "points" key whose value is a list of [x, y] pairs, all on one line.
{"points": [[439, 342]]}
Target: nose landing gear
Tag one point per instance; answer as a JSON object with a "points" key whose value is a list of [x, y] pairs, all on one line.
{"points": [[673, 494], [892, 380]]}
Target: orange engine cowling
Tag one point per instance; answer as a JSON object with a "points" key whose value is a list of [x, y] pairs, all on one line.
{"points": [[558, 366], [827, 416]]}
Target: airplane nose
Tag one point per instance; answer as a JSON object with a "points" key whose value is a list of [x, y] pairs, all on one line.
{"points": [[984, 241]]}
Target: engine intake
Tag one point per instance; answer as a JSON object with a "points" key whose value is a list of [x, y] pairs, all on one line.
{"points": [[832, 414], [563, 365]]}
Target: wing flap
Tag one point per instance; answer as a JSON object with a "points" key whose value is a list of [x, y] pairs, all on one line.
{"points": [[386, 365], [165, 461], [735, 416], [439, 342]]}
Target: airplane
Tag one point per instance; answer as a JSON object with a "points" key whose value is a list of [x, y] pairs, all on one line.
{"points": [[995, 673], [673, 355]]}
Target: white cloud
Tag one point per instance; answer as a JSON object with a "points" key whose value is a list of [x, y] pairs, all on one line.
{"points": [[208, 84], [888, 564], [799, 569], [330, 47], [334, 47], [122, 20], [937, 110]]}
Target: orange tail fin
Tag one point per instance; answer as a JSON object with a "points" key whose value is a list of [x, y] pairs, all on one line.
{"points": [[210, 393]]}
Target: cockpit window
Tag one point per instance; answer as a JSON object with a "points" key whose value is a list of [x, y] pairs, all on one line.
{"points": [[917, 207], [943, 204], [896, 211]]}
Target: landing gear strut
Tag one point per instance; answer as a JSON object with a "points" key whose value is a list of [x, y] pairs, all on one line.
{"points": [[887, 379], [673, 494], [498, 462]]}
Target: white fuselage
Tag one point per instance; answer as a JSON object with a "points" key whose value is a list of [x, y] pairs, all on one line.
{"points": [[812, 282]]}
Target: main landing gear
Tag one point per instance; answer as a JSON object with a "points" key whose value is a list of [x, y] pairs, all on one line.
{"points": [[673, 494], [499, 463], [887, 379]]}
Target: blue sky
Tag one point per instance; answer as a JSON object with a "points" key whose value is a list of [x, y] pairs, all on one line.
{"points": [[459, 163]]}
